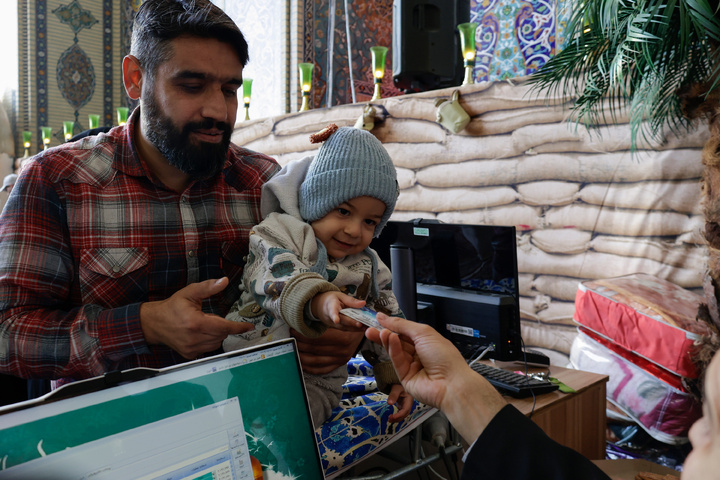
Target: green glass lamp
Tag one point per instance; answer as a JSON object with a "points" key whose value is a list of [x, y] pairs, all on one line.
{"points": [[306, 70], [467, 46], [93, 121], [46, 136], [247, 90], [68, 130], [122, 115], [27, 141], [378, 61]]}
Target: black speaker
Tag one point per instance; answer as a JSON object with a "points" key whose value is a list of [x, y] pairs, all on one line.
{"points": [[426, 43]]}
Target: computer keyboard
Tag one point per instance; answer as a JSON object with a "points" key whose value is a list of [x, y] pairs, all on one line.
{"points": [[511, 383]]}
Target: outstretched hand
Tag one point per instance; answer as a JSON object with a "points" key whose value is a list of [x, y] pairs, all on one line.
{"points": [[326, 307], [398, 396], [180, 323], [433, 371]]}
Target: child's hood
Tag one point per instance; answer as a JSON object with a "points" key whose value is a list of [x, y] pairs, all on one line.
{"points": [[280, 193]]}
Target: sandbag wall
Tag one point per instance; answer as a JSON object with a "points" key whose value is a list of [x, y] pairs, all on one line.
{"points": [[584, 206]]}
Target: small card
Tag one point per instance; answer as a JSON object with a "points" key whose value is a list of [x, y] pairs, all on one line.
{"points": [[364, 315]]}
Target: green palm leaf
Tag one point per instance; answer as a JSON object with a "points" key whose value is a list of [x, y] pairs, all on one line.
{"points": [[632, 57]]}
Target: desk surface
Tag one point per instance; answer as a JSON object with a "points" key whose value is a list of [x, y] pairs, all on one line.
{"points": [[577, 420], [578, 380]]}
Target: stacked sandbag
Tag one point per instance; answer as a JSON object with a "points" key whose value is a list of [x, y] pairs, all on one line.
{"points": [[584, 206]]}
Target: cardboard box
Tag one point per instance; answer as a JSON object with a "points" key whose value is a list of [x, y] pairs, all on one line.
{"points": [[627, 469]]}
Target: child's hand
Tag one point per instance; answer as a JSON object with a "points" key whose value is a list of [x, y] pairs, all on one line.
{"points": [[403, 399], [326, 307]]}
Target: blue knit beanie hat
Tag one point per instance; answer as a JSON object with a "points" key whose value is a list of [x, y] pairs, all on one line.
{"points": [[351, 163]]}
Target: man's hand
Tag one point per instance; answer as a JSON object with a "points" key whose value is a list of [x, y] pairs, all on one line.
{"points": [[322, 355], [180, 323]]}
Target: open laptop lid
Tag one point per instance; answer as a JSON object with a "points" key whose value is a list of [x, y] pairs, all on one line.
{"points": [[208, 419]]}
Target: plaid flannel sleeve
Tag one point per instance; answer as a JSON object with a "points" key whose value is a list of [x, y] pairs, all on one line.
{"points": [[43, 331]]}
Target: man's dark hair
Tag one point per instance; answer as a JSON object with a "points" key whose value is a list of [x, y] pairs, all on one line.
{"points": [[159, 21]]}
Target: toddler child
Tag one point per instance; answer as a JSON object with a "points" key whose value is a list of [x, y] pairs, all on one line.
{"points": [[310, 257]]}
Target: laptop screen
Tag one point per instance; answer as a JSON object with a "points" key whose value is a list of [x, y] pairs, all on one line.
{"points": [[214, 418]]}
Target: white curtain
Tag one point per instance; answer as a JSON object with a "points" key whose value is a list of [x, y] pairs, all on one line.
{"points": [[270, 27]]}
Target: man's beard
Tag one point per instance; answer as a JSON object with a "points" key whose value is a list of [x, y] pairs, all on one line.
{"points": [[199, 160]]}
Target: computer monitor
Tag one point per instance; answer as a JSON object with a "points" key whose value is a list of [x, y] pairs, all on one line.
{"points": [[461, 279], [239, 415]]}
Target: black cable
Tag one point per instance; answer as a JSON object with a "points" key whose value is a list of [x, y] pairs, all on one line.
{"points": [[448, 463], [455, 464]]}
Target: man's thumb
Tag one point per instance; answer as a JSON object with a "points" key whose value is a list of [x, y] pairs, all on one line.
{"points": [[208, 288], [218, 285], [237, 328]]}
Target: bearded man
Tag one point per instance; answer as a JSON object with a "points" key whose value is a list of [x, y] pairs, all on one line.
{"points": [[126, 249]]}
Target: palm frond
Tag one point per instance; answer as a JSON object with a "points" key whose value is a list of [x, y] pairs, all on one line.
{"points": [[632, 57]]}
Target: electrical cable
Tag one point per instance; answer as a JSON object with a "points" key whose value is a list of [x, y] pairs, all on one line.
{"points": [[455, 464], [482, 354], [472, 353], [429, 467], [448, 463], [436, 473]]}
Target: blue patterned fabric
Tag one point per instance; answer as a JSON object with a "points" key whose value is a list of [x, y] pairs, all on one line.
{"points": [[359, 425], [359, 366]]}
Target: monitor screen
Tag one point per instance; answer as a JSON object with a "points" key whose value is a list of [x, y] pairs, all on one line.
{"points": [[479, 258], [461, 279]]}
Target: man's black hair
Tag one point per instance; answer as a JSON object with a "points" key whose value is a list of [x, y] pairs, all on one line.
{"points": [[158, 22]]}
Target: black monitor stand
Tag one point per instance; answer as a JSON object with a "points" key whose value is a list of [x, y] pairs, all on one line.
{"points": [[403, 279]]}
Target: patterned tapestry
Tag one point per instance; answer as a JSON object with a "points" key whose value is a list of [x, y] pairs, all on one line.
{"points": [[70, 53], [514, 38], [69, 65], [370, 24]]}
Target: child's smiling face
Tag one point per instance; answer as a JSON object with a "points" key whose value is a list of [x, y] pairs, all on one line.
{"points": [[349, 228]]}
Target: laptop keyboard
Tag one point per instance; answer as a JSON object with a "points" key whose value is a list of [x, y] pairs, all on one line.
{"points": [[511, 383]]}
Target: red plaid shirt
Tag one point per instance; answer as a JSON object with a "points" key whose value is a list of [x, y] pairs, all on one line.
{"points": [[88, 234]]}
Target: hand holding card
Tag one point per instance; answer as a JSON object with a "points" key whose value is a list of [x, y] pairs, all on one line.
{"points": [[364, 315]]}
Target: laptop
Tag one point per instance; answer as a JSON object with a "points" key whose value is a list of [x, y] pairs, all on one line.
{"points": [[225, 417]]}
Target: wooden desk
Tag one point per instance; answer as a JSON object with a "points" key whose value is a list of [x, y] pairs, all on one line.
{"points": [[576, 420]]}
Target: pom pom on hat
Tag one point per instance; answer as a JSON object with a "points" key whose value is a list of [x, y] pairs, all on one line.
{"points": [[351, 163]]}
